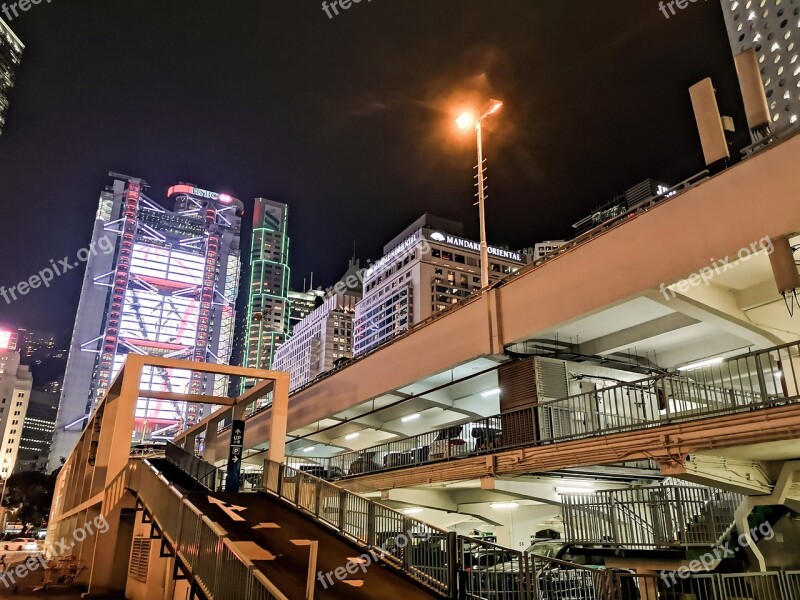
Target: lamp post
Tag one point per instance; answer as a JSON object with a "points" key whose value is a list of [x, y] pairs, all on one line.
{"points": [[464, 122]]}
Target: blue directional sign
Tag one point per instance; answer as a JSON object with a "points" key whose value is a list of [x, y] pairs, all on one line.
{"points": [[235, 457]]}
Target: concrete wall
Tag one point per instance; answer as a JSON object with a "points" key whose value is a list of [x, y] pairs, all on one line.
{"points": [[158, 573]]}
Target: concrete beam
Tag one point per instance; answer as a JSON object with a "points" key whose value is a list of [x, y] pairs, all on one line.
{"points": [[745, 477], [638, 334]]}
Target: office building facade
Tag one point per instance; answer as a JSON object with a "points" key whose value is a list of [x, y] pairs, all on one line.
{"points": [[37, 432], [161, 282], [15, 391], [302, 304], [424, 270], [319, 341], [268, 304], [10, 57], [541, 250], [773, 31]]}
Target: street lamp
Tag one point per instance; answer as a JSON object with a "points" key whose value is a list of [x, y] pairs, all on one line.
{"points": [[465, 121]]}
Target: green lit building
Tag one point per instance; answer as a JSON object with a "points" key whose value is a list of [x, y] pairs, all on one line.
{"points": [[268, 307]]}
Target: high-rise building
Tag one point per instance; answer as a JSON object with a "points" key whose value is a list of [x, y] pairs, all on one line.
{"points": [[10, 56], [161, 282], [541, 249], [37, 432], [773, 31], [426, 268], [301, 304], [8, 338], [318, 341], [35, 343], [15, 390], [324, 335], [268, 304]]}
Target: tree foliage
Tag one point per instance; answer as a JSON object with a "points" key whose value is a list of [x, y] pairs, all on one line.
{"points": [[28, 497]]}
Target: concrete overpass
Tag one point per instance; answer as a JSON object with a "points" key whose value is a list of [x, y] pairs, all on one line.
{"points": [[627, 290]]}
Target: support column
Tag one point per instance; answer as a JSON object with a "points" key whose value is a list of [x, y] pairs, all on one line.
{"points": [[210, 441], [279, 417], [113, 455]]}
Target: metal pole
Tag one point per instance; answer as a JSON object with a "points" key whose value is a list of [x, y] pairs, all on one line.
{"points": [[481, 209]]}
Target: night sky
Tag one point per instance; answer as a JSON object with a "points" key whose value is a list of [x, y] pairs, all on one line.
{"points": [[348, 120]]}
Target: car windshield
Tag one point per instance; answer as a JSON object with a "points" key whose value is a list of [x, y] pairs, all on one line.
{"points": [[546, 550]]}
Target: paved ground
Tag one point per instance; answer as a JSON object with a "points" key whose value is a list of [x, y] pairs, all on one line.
{"points": [[288, 562]]}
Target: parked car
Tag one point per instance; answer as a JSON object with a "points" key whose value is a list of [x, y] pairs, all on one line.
{"points": [[487, 438], [558, 581], [364, 463], [448, 443], [321, 472], [21, 545]]}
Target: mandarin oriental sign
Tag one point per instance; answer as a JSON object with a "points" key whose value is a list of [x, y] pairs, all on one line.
{"points": [[452, 240]]}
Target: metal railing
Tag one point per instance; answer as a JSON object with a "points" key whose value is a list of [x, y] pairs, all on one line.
{"points": [[660, 516], [425, 553], [214, 562], [203, 472], [772, 585], [470, 568], [738, 384]]}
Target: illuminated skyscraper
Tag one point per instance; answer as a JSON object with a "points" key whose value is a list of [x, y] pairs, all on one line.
{"points": [[268, 306], [10, 56], [160, 283]]}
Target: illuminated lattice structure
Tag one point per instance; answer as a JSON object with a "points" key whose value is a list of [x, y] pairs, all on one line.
{"points": [[160, 283], [772, 27]]}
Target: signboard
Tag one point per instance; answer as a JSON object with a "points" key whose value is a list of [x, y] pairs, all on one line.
{"points": [[200, 193], [235, 457], [452, 240]]}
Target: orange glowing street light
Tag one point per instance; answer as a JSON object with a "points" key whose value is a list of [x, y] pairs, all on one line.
{"points": [[465, 121]]}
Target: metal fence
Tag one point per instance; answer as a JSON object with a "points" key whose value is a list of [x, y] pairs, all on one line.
{"points": [[420, 550], [214, 562], [660, 516], [738, 384], [190, 464], [491, 572]]}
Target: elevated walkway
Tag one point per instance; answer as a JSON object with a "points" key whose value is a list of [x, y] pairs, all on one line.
{"points": [[748, 401], [265, 543], [600, 277]]}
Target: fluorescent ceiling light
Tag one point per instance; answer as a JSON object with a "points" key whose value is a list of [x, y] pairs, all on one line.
{"points": [[491, 392], [309, 449], [574, 490], [351, 436], [412, 511], [503, 504], [410, 418], [702, 363]]}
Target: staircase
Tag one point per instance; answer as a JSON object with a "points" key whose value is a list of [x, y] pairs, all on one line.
{"points": [[652, 517]]}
